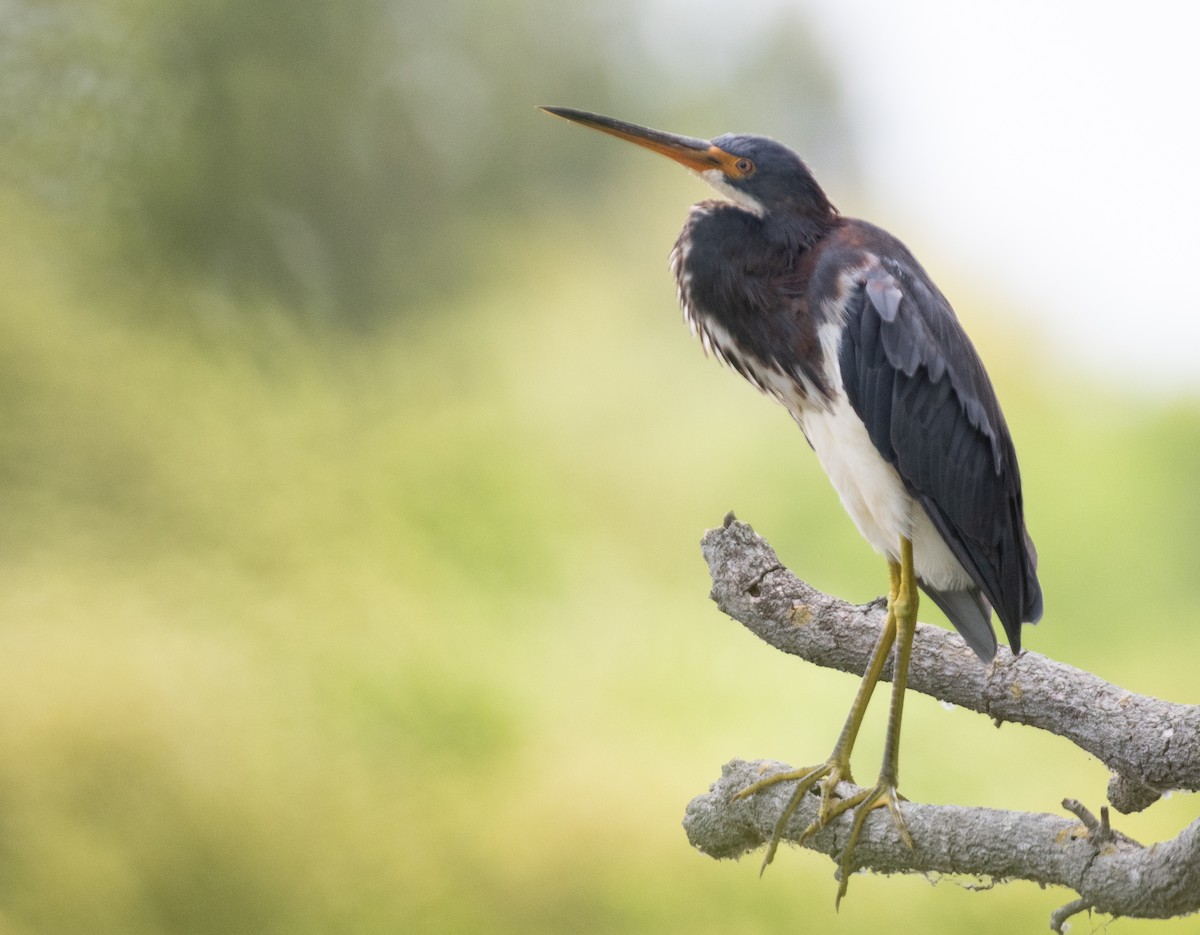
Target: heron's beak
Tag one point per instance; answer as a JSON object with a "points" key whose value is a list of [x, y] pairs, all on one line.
{"points": [[695, 154]]}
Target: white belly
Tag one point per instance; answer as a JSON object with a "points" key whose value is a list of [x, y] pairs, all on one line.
{"points": [[874, 496]]}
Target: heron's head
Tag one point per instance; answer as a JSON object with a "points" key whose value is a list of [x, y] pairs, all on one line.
{"points": [[763, 176]]}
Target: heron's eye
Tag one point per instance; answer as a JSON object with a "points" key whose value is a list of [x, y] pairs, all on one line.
{"points": [[744, 167]]}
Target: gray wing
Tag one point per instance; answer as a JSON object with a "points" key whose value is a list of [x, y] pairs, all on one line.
{"points": [[918, 385]]}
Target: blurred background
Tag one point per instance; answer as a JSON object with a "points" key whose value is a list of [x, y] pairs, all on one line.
{"points": [[354, 457]]}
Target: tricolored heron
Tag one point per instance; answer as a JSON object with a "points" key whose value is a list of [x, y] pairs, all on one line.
{"points": [[836, 320]]}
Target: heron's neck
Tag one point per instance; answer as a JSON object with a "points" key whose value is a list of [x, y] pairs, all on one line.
{"points": [[742, 288], [795, 232]]}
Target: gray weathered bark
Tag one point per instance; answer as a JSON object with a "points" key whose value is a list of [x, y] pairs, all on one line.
{"points": [[1151, 746]]}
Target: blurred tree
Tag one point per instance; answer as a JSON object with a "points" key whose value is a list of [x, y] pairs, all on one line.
{"points": [[337, 158]]}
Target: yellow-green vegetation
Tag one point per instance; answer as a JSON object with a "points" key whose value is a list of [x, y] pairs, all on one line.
{"points": [[309, 632]]}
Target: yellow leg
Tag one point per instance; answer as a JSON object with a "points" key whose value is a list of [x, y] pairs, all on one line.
{"points": [[884, 791], [837, 768], [899, 628]]}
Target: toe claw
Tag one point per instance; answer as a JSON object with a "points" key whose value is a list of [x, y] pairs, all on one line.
{"points": [[883, 794], [827, 777]]}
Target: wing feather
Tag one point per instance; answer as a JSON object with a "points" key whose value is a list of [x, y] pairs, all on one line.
{"points": [[917, 383]]}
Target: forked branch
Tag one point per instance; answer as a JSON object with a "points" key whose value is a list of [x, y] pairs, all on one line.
{"points": [[1152, 746]]}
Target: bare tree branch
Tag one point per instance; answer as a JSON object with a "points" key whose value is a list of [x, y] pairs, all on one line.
{"points": [[1151, 746], [1116, 876]]}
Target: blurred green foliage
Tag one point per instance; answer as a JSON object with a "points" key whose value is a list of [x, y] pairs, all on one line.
{"points": [[402, 626], [336, 158]]}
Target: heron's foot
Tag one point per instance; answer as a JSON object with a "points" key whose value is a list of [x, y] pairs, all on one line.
{"points": [[825, 776], [863, 803]]}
